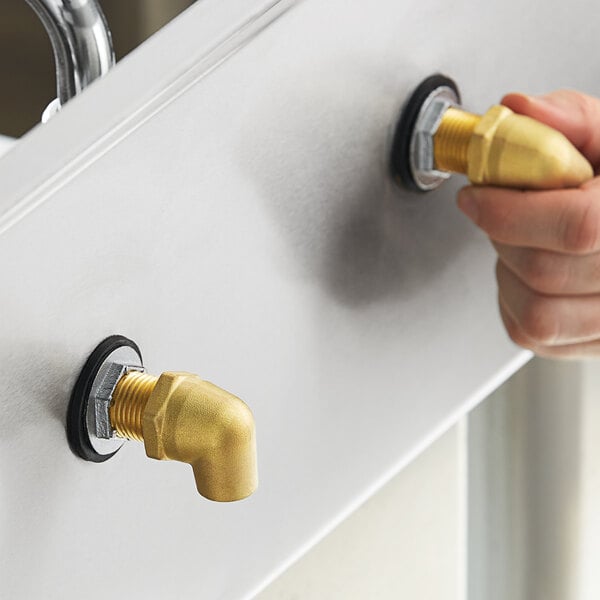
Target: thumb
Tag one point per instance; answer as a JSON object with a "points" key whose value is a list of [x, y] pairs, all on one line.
{"points": [[575, 115]]}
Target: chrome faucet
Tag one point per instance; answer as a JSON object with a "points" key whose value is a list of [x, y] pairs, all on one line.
{"points": [[81, 42]]}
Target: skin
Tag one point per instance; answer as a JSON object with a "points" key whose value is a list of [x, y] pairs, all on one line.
{"points": [[548, 242]]}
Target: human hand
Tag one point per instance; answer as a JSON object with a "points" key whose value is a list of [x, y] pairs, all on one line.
{"points": [[548, 242]]}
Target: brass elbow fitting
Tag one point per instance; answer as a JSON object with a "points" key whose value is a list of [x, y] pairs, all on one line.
{"points": [[180, 417], [436, 137]]}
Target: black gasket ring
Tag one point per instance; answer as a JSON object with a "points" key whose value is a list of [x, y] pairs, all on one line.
{"points": [[400, 155], [77, 432]]}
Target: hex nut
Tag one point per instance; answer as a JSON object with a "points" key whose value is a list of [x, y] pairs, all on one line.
{"points": [[422, 162], [481, 142]]}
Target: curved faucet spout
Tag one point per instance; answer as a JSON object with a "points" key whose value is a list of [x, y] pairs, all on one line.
{"points": [[81, 42]]}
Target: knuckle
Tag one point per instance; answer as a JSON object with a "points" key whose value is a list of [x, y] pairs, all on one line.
{"points": [[582, 230], [513, 329], [543, 272], [516, 334], [538, 321], [588, 110]]}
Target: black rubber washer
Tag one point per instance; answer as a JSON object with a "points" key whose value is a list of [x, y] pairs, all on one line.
{"points": [[77, 433], [400, 156]]}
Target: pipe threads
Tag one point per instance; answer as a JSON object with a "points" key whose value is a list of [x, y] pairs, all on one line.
{"points": [[128, 403], [451, 140]]}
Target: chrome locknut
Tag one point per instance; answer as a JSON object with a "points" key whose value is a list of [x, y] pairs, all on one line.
{"points": [[426, 176], [89, 429], [412, 156]]}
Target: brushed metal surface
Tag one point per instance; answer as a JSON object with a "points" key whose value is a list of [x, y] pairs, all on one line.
{"points": [[356, 320]]}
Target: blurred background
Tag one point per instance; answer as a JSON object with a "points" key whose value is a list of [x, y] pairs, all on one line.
{"points": [[27, 63]]}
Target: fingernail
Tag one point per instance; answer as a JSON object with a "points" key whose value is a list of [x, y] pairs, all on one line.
{"points": [[555, 100], [467, 202], [542, 99]]}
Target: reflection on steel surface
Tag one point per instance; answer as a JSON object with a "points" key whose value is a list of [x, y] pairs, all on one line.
{"points": [[81, 42]]}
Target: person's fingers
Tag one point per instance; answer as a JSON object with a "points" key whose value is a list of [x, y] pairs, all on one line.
{"points": [[561, 220], [552, 273], [536, 234], [574, 114], [569, 351], [547, 320]]}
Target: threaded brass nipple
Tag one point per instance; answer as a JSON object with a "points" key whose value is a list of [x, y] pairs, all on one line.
{"points": [[128, 403], [451, 140]]}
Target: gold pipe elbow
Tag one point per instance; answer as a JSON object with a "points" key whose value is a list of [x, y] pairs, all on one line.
{"points": [[506, 149], [182, 417]]}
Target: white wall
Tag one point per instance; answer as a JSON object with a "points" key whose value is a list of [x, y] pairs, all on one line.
{"points": [[535, 486]]}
